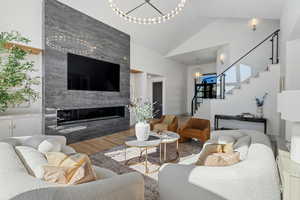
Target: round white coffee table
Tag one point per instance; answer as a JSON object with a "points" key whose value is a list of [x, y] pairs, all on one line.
{"points": [[144, 146], [166, 138]]}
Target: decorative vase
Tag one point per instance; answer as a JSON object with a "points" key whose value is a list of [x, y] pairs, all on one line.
{"points": [[142, 131], [260, 111]]}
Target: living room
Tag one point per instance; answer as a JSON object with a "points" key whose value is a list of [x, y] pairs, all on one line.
{"points": [[149, 99]]}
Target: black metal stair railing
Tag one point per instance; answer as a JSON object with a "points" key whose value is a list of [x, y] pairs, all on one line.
{"points": [[221, 78]]}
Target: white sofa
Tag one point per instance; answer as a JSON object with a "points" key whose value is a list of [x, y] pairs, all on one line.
{"points": [[17, 184], [255, 178]]}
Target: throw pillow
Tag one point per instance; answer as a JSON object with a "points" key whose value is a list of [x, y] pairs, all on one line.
{"points": [[218, 149], [242, 146], [64, 169], [32, 159], [222, 159], [49, 145], [160, 127], [207, 150], [168, 119], [34, 141]]}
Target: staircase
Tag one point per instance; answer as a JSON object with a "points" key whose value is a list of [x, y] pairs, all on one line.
{"points": [[242, 99], [238, 97]]}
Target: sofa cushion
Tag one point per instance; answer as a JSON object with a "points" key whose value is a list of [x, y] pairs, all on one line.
{"points": [[10, 161], [242, 146], [33, 160], [236, 134], [49, 145]]}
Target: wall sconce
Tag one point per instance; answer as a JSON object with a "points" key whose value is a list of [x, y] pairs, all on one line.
{"points": [[197, 76], [222, 59], [254, 23]]}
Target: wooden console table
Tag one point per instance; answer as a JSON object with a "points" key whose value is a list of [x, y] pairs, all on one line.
{"points": [[239, 118]]}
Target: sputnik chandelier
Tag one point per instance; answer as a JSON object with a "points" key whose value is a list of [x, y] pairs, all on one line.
{"points": [[163, 17]]}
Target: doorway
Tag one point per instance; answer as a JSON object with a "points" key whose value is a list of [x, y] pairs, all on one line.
{"points": [[157, 98]]}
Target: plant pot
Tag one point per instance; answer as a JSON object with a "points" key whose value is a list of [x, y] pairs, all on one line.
{"points": [[142, 131], [260, 111]]}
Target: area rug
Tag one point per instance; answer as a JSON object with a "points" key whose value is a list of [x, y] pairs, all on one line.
{"points": [[114, 159]]}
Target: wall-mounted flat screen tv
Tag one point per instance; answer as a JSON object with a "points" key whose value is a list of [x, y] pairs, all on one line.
{"points": [[93, 75]]}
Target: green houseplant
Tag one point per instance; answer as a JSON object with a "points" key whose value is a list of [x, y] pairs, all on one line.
{"points": [[15, 80]]}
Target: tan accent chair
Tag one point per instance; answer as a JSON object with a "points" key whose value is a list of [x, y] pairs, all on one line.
{"points": [[163, 124], [195, 128]]}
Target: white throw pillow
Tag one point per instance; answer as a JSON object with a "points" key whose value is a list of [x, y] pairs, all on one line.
{"points": [[34, 141], [242, 146], [33, 160], [49, 145]]}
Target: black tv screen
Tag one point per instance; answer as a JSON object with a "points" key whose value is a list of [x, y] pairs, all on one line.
{"points": [[90, 74]]}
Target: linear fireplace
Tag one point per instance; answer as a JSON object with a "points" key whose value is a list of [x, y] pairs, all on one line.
{"points": [[72, 116]]}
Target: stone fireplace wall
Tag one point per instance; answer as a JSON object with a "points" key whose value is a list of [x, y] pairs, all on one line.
{"points": [[111, 46]]}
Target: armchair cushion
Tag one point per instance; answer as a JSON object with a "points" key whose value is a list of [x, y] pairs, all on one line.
{"points": [[195, 128]]}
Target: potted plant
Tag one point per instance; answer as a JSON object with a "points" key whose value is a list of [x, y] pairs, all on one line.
{"points": [[260, 101], [143, 111], [15, 80]]}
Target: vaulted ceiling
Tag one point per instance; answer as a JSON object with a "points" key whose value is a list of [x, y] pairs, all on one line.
{"points": [[196, 15]]}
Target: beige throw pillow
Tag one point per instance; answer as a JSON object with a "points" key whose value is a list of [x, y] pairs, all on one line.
{"points": [[64, 169], [218, 155], [222, 159]]}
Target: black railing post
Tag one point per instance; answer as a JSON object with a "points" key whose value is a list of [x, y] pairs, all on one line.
{"points": [[221, 87], [272, 58], [224, 86], [277, 47], [192, 107]]}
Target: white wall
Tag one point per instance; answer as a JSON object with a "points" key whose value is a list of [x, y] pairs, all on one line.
{"points": [[236, 34], [26, 18], [174, 75], [191, 70]]}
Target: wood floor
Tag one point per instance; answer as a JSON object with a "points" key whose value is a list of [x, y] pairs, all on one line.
{"points": [[99, 144]]}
